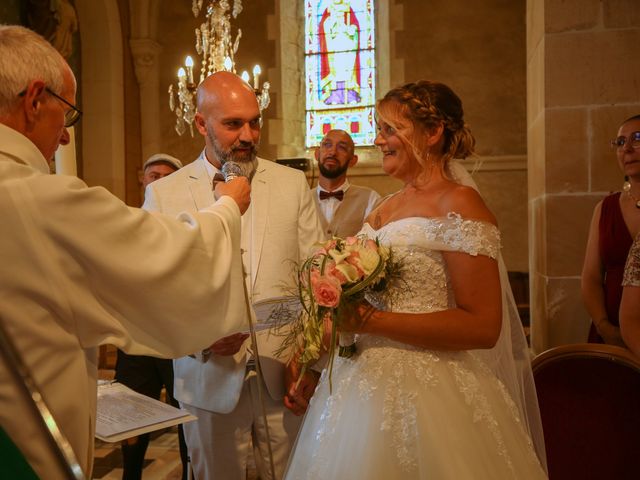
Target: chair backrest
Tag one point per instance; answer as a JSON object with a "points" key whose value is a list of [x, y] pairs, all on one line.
{"points": [[589, 396]]}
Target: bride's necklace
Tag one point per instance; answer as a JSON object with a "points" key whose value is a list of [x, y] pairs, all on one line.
{"points": [[627, 190]]}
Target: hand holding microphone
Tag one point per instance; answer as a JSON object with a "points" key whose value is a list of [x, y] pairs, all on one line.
{"points": [[235, 185]]}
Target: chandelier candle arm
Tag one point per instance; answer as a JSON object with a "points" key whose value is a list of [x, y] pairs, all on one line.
{"points": [[228, 64], [256, 73], [188, 62], [217, 48]]}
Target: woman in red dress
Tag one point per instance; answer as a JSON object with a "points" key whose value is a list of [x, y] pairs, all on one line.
{"points": [[616, 221]]}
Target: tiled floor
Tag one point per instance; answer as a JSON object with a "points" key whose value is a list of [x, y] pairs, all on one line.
{"points": [[162, 461]]}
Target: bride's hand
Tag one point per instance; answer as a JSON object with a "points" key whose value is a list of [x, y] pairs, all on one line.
{"points": [[354, 317], [299, 390]]}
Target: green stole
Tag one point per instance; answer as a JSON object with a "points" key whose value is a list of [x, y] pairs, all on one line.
{"points": [[12, 462]]}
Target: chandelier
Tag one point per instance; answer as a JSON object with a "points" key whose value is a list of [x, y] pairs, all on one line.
{"points": [[215, 45]]}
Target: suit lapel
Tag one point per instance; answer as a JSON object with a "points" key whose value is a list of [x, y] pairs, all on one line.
{"points": [[199, 185], [259, 213]]}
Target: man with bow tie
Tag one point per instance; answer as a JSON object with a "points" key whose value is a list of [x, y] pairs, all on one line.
{"points": [[343, 206]]}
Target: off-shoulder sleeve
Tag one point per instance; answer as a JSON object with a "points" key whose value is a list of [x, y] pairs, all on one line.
{"points": [[470, 236], [632, 269]]}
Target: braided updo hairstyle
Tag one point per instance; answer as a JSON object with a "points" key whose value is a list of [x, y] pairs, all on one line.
{"points": [[426, 105]]}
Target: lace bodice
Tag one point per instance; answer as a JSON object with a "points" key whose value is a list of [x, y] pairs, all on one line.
{"points": [[418, 243]]}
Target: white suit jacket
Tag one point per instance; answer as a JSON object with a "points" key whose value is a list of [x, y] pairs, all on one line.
{"points": [[81, 269], [284, 226]]}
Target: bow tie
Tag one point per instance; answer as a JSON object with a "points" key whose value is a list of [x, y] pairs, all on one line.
{"points": [[338, 194]]}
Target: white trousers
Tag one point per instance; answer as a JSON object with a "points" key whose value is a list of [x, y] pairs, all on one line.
{"points": [[219, 443]]}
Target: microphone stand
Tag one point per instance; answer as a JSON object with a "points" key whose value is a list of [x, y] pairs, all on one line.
{"points": [[57, 443], [254, 343]]}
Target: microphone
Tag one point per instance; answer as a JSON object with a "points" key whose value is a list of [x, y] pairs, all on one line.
{"points": [[231, 170]]}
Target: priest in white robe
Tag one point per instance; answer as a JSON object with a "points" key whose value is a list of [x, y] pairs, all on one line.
{"points": [[81, 269]]}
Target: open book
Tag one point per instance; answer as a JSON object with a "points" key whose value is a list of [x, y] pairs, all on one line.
{"points": [[274, 312], [123, 413]]}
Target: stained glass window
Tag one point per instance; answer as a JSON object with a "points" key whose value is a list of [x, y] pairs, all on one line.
{"points": [[340, 69]]}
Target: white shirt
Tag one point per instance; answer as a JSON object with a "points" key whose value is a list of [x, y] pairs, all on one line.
{"points": [[245, 238]]}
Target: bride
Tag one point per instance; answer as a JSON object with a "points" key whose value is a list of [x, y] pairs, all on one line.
{"points": [[440, 386]]}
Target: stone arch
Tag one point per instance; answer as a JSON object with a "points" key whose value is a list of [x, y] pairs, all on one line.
{"points": [[103, 143]]}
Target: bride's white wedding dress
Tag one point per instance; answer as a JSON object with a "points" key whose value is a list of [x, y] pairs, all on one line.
{"points": [[402, 412]]}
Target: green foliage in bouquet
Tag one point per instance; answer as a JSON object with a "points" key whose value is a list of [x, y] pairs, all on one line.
{"points": [[330, 284]]}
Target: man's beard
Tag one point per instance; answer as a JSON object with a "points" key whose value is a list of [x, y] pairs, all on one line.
{"points": [[334, 172], [247, 161]]}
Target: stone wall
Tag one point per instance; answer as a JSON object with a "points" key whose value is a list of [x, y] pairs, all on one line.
{"points": [[581, 86]]}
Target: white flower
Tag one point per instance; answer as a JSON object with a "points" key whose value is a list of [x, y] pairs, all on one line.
{"points": [[349, 271], [369, 260], [338, 256]]}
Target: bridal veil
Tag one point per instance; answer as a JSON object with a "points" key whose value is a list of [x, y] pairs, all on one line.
{"points": [[510, 358]]}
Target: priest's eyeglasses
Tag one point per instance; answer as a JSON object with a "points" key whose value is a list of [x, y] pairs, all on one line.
{"points": [[621, 141], [71, 116]]}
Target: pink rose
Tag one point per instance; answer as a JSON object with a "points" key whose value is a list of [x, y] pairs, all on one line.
{"points": [[354, 260], [326, 290]]}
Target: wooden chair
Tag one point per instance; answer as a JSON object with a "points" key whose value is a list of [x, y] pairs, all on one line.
{"points": [[589, 397]]}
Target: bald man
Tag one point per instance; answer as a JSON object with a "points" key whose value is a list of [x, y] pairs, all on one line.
{"points": [[219, 385], [343, 206]]}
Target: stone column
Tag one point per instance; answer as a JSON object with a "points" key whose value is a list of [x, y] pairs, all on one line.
{"points": [[287, 127], [145, 56], [582, 82]]}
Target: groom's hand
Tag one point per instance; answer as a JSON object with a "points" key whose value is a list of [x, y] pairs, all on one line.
{"points": [[297, 399], [229, 345]]}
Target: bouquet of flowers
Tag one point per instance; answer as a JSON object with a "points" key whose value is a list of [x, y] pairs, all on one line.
{"points": [[330, 282]]}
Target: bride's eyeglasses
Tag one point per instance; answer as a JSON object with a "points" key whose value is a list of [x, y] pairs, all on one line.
{"points": [[385, 129], [71, 116], [621, 141]]}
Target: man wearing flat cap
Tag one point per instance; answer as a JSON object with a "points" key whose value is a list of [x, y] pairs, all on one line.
{"points": [[144, 374], [158, 166]]}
